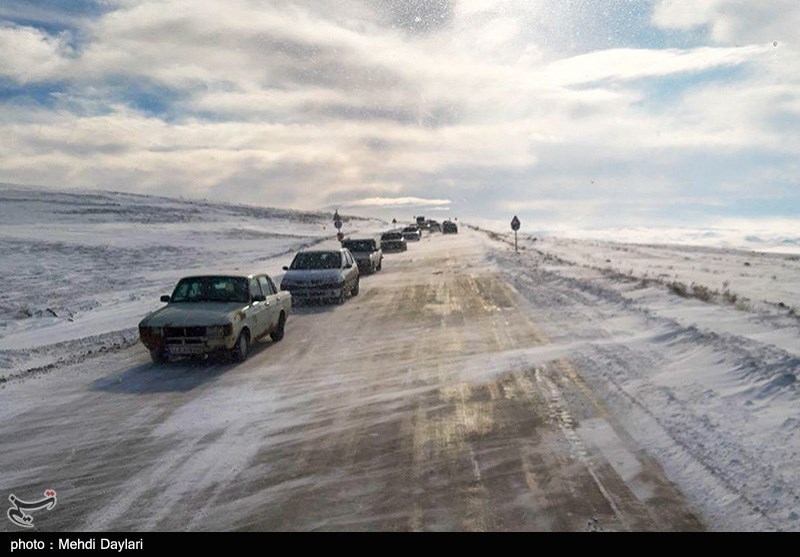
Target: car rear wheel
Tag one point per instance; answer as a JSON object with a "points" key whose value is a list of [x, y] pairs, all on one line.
{"points": [[241, 350], [277, 334], [356, 288], [380, 265]]}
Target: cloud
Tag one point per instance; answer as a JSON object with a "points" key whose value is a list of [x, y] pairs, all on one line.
{"points": [[29, 54], [397, 202], [310, 103], [732, 21]]}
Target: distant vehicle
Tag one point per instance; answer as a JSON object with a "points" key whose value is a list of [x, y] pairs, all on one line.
{"points": [[420, 221], [412, 234], [216, 314], [449, 227], [393, 241], [367, 253], [322, 275], [434, 226]]}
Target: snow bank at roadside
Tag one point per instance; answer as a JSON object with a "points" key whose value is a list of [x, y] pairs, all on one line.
{"points": [[708, 387]]}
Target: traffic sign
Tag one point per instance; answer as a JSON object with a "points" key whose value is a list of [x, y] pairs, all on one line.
{"points": [[515, 226]]}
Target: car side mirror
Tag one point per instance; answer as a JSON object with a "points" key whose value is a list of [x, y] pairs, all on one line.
{"points": [[285, 268], [259, 298], [165, 299], [348, 266]]}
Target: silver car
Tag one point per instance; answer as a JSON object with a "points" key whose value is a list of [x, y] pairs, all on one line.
{"points": [[322, 276], [412, 234]]}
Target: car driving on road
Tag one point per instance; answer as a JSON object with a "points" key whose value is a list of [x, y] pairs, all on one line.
{"points": [[367, 253], [216, 314], [449, 227], [393, 241], [412, 234], [322, 275]]}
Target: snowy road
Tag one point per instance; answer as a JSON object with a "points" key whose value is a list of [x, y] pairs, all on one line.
{"points": [[429, 402]]}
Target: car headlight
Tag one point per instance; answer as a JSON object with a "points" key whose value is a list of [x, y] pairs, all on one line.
{"points": [[145, 331], [219, 331]]}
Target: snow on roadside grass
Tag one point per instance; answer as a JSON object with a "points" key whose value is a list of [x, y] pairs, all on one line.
{"points": [[80, 269], [708, 389]]}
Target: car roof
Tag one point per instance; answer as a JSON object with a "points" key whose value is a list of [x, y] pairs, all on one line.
{"points": [[230, 274], [331, 250]]}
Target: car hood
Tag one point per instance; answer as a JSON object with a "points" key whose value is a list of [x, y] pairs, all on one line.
{"points": [[312, 276], [193, 314]]}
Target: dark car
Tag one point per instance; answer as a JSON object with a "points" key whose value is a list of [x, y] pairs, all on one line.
{"points": [[393, 241], [449, 227]]}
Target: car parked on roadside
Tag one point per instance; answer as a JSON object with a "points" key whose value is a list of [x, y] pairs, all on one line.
{"points": [[367, 253], [434, 226], [322, 276], [449, 227], [412, 234], [216, 314], [393, 241]]}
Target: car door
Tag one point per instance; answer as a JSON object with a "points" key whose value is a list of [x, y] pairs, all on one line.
{"points": [[351, 271], [257, 311], [272, 308]]}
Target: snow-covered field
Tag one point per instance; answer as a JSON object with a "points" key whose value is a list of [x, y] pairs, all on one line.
{"points": [[696, 349], [79, 269]]}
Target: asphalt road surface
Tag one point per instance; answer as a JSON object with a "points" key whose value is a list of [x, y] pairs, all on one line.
{"points": [[428, 402]]}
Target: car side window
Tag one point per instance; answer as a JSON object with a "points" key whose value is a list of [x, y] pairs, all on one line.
{"points": [[255, 289], [266, 286], [349, 258]]}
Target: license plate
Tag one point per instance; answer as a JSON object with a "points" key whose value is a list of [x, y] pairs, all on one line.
{"points": [[182, 350]]}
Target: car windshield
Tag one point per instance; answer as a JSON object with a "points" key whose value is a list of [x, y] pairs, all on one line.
{"points": [[392, 236], [358, 245], [410, 229], [314, 260], [212, 289]]}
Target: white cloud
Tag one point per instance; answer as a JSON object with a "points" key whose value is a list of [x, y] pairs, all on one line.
{"points": [[28, 54], [733, 21], [312, 103], [397, 202]]}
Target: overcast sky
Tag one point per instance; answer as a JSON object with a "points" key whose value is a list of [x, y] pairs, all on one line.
{"points": [[582, 113]]}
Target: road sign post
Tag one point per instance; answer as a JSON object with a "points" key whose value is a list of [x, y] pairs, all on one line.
{"points": [[515, 226], [337, 220]]}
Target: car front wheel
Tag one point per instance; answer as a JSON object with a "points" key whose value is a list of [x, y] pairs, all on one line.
{"points": [[159, 356], [356, 288], [242, 348]]}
